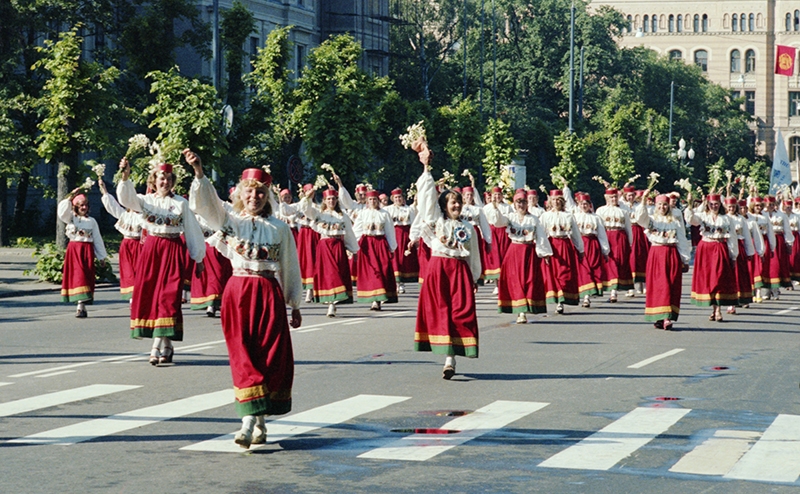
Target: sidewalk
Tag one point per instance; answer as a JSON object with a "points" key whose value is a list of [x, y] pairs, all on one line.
{"points": [[13, 261]]}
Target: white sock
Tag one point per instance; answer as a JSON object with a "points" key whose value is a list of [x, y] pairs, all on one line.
{"points": [[248, 422], [450, 360], [158, 342], [165, 343], [613, 293], [260, 422]]}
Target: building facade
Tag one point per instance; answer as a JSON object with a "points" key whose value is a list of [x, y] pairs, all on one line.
{"points": [[734, 42]]}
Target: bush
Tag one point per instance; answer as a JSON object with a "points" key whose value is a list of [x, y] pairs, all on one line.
{"points": [[50, 265], [25, 242]]}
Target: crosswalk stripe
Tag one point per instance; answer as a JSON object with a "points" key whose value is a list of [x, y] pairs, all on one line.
{"points": [[60, 398], [656, 358], [91, 429], [614, 442], [5, 384], [303, 422], [717, 454], [776, 456], [421, 447], [60, 373]]}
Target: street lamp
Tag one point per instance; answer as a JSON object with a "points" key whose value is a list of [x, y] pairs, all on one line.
{"points": [[571, 62]]}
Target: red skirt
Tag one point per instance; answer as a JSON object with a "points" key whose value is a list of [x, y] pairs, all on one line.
{"points": [[639, 250], [561, 279], [794, 258], [128, 254], [759, 266], [188, 266], [663, 283], [742, 273], [494, 258], [779, 265], [332, 282], [590, 268], [618, 268], [424, 257], [521, 284], [375, 273], [353, 263], [208, 287], [406, 267], [156, 307], [307, 240], [482, 247], [77, 277], [447, 322], [256, 331], [713, 282]]}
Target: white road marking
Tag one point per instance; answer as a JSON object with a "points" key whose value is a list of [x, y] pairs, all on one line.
{"points": [[92, 429], [614, 442], [421, 447], [60, 398], [5, 384], [202, 348], [56, 373], [53, 369], [650, 360], [786, 311], [718, 454], [353, 323], [303, 422], [776, 456]]}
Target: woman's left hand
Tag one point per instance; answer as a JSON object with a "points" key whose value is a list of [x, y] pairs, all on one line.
{"points": [[199, 268], [297, 319]]}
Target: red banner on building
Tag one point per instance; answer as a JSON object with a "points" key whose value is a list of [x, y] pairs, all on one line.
{"points": [[784, 60]]}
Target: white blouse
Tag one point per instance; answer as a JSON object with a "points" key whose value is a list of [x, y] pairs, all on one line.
{"points": [[375, 223], [589, 224], [165, 215], [616, 218], [780, 226], [401, 215], [714, 228], [252, 243], [129, 223], [664, 230], [526, 229], [755, 234], [475, 216], [742, 230], [560, 224], [330, 224], [82, 229]]}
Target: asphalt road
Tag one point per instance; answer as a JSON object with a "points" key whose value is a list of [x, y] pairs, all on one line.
{"points": [[595, 400]]}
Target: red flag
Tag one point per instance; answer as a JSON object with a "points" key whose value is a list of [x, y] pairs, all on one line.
{"points": [[784, 60]]}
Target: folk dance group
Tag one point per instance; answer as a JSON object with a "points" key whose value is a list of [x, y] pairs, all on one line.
{"points": [[253, 256]]}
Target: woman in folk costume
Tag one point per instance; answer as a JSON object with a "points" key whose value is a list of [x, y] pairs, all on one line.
{"points": [[669, 253], [595, 248], [565, 239], [262, 251], [375, 231], [533, 203], [779, 275], [129, 224], [352, 208], [85, 244], [617, 223], [741, 271], [156, 307], [332, 280], [287, 213], [500, 241], [207, 289], [759, 265], [307, 240], [473, 213], [713, 283], [447, 322], [758, 244], [640, 246], [794, 225], [521, 283], [406, 267]]}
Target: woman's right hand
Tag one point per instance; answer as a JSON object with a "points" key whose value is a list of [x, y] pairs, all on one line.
{"points": [[125, 167]]}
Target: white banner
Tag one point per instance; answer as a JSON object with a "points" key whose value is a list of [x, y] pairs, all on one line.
{"points": [[781, 171]]}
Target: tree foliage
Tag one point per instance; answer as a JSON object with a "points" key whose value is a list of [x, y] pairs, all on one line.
{"points": [[237, 24]]}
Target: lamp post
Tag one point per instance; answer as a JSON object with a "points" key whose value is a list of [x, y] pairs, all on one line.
{"points": [[571, 62], [671, 103]]}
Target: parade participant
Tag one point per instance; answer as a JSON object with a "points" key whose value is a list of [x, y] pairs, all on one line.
{"points": [[376, 242], [617, 223], [207, 289], [521, 284], [307, 240], [266, 278], [713, 282], [533, 203], [674, 206], [287, 212], [758, 244], [639, 247], [447, 322], [352, 208], [475, 216], [129, 224], [565, 240], [741, 269], [406, 267], [779, 275], [383, 199], [332, 279], [156, 307], [500, 242], [794, 225], [595, 249], [85, 244], [668, 256], [759, 265]]}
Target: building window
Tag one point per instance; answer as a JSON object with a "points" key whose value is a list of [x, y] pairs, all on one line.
{"points": [[654, 23], [742, 23], [751, 22], [675, 55], [696, 24], [646, 23], [750, 61], [788, 21], [300, 60], [679, 26], [736, 62], [671, 25], [794, 104], [705, 23], [750, 102], [701, 59], [630, 24], [796, 25], [735, 95], [794, 148], [735, 23]]}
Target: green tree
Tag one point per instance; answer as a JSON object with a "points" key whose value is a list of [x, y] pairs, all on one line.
{"points": [[570, 149], [500, 148], [81, 111], [235, 28], [457, 131]]}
